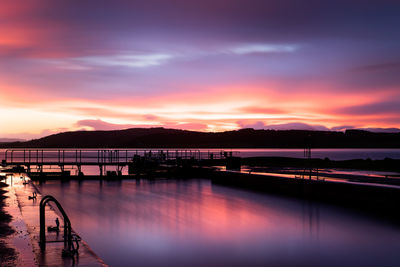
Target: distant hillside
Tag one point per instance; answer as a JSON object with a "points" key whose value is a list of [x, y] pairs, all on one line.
{"points": [[245, 138], [10, 140]]}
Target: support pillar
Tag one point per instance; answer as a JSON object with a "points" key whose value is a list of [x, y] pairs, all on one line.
{"points": [[79, 167]]}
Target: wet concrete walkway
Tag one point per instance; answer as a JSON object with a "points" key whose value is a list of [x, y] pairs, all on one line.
{"points": [[20, 240], [27, 224]]}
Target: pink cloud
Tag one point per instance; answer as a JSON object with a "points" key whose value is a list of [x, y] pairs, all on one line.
{"points": [[102, 125], [283, 126]]}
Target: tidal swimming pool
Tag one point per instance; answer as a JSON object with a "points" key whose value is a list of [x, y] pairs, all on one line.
{"points": [[197, 223]]}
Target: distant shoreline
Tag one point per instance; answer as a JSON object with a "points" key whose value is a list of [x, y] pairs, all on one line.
{"points": [[245, 138]]}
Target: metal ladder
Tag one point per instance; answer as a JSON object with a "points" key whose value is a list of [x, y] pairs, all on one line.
{"points": [[70, 249]]}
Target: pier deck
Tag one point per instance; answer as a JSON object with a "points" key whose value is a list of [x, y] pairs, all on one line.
{"points": [[38, 159]]}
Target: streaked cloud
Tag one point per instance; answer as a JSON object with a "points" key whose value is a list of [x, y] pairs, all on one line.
{"points": [[261, 110], [391, 106], [131, 61], [385, 66], [263, 48]]}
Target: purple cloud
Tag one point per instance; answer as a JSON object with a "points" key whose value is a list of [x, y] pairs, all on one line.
{"points": [[102, 125], [383, 107], [284, 126], [342, 128], [381, 130], [106, 126]]}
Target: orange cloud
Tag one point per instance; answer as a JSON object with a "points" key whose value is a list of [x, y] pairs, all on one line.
{"points": [[213, 109]]}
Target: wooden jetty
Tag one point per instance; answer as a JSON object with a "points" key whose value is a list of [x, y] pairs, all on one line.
{"points": [[60, 161]]}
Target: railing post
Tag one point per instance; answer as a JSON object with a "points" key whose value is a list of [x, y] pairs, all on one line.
{"points": [[42, 224]]}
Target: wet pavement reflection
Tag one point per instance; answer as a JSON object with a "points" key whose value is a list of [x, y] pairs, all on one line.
{"points": [[22, 190]]}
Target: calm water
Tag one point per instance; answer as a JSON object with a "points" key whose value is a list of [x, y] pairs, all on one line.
{"points": [[334, 154], [194, 222]]}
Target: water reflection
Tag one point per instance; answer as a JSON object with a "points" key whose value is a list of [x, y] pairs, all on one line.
{"points": [[193, 222]]}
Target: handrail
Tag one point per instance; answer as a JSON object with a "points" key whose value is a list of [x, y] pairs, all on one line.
{"points": [[102, 156], [68, 238]]}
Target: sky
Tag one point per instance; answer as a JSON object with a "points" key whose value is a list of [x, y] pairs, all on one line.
{"points": [[198, 65]]}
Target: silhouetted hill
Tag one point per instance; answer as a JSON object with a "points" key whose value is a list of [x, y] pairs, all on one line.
{"points": [[245, 138], [10, 140]]}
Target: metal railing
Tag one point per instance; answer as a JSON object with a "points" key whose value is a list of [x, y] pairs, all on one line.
{"points": [[103, 156]]}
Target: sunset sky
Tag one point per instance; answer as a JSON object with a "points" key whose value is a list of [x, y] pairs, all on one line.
{"points": [[209, 65]]}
